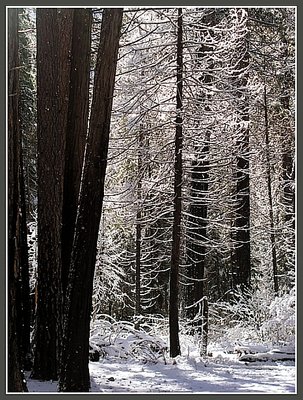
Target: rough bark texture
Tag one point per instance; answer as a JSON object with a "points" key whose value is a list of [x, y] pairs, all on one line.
{"points": [[15, 376], [54, 29], [175, 256], [76, 129], [24, 310], [74, 375]]}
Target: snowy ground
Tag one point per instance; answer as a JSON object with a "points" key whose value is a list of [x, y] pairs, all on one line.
{"points": [[222, 373]]}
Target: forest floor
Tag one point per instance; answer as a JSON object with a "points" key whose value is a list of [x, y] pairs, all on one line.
{"points": [[221, 373]]}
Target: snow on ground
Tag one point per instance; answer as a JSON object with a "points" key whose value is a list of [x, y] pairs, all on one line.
{"points": [[222, 373]]}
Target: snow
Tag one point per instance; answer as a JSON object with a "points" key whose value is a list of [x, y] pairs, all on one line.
{"points": [[221, 373]]}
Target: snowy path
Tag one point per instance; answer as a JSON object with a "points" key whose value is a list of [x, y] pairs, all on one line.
{"points": [[187, 375], [192, 377]]}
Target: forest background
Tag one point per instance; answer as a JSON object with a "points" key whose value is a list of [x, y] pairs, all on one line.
{"points": [[224, 216]]}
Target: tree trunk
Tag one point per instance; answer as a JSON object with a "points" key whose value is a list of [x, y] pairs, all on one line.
{"points": [[16, 381], [198, 233], [25, 307], [175, 256], [242, 273], [54, 28], [270, 199], [198, 210], [74, 376], [76, 130], [138, 225]]}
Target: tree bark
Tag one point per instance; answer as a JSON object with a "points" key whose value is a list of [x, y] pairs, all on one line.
{"points": [[74, 376], [270, 199], [54, 28], [176, 239], [242, 273], [138, 225], [76, 131], [16, 381], [24, 311]]}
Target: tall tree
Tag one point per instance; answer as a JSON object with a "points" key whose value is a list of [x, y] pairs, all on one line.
{"points": [[74, 375], [242, 263], [176, 237], [54, 32], [76, 129], [27, 127], [270, 197], [16, 381]]}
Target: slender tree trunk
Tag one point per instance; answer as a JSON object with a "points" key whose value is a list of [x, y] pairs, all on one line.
{"points": [[138, 225], [175, 256], [198, 210], [76, 130], [242, 222], [74, 376], [198, 233], [16, 381], [54, 29], [270, 199]]}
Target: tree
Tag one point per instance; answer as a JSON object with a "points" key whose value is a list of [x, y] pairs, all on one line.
{"points": [[74, 375], [16, 381], [242, 262], [54, 28], [27, 121], [175, 255], [76, 129]]}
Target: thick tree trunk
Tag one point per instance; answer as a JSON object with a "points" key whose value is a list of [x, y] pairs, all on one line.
{"points": [[76, 131], [54, 29], [74, 375], [25, 307], [175, 256], [16, 381]]}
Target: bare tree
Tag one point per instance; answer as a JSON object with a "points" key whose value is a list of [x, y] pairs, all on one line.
{"points": [[175, 255]]}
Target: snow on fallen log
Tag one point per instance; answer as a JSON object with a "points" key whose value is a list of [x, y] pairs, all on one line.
{"points": [[274, 355]]}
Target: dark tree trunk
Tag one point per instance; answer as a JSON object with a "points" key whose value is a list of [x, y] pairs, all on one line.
{"points": [[76, 132], [242, 272], [16, 381], [54, 28], [270, 199], [74, 375], [175, 256], [139, 226], [197, 231], [198, 210], [25, 306]]}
